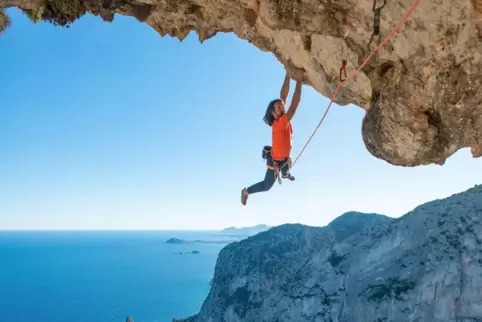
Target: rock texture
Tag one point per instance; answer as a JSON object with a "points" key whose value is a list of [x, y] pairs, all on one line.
{"points": [[4, 21], [424, 266], [421, 92]]}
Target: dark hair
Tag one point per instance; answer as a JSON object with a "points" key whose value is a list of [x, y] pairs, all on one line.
{"points": [[268, 117]]}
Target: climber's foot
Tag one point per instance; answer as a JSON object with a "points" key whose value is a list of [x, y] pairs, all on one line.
{"points": [[244, 196], [288, 176]]}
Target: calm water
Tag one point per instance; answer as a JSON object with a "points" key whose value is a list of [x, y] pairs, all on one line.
{"points": [[102, 276]]}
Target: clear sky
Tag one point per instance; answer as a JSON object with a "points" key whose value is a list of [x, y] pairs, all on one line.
{"points": [[110, 126]]}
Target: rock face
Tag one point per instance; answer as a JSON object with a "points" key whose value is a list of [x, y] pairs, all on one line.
{"points": [[4, 22], [421, 92], [424, 266]]}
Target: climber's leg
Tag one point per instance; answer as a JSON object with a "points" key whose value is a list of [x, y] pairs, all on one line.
{"points": [[265, 185]]}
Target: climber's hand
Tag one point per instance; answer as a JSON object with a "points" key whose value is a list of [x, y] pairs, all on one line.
{"points": [[299, 75]]}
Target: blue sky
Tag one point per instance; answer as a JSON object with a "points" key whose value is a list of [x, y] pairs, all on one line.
{"points": [[110, 126]]}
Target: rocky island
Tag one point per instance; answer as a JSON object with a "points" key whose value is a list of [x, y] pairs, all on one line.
{"points": [[194, 252], [182, 241], [233, 233]]}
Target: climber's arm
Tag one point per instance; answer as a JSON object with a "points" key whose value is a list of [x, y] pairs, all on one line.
{"points": [[285, 89], [295, 101]]}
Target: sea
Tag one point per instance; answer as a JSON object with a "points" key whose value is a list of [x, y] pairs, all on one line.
{"points": [[103, 276]]}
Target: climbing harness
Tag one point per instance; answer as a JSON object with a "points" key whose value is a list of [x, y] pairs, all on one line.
{"points": [[355, 72], [274, 165], [271, 163]]}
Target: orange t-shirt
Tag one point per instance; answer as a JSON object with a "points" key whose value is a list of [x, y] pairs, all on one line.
{"points": [[282, 131]]}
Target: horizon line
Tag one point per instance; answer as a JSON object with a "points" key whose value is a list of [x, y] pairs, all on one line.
{"points": [[104, 229], [120, 229]]}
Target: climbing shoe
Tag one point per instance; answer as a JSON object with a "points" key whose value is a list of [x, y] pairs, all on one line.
{"points": [[288, 176]]}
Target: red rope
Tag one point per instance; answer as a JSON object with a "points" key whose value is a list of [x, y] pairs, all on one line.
{"points": [[355, 72]]}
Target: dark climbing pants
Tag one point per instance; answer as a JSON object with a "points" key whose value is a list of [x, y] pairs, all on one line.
{"points": [[270, 176]]}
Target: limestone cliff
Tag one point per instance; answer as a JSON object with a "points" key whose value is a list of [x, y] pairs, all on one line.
{"points": [[424, 266], [421, 92]]}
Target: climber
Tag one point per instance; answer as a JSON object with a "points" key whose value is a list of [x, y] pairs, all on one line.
{"points": [[278, 156]]}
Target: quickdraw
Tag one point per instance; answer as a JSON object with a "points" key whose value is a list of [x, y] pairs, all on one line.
{"points": [[376, 16], [277, 172], [343, 69], [376, 21]]}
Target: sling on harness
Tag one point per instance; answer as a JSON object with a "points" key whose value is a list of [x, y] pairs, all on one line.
{"points": [[276, 173]]}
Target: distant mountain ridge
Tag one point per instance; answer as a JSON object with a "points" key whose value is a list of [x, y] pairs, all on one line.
{"points": [[246, 230], [233, 233], [197, 241]]}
